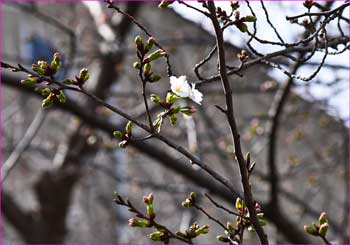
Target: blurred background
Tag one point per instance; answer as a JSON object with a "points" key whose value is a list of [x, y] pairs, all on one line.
{"points": [[61, 166]]}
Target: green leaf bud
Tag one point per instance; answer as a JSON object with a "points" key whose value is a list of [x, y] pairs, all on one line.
{"points": [[155, 78], [172, 119], [242, 27], [188, 110], [323, 218], [146, 69], [156, 99], [68, 81], [29, 81], [151, 41], [138, 40], [222, 239], [56, 63], [311, 230], [117, 134], [164, 3], [323, 229], [187, 203], [128, 128], [136, 65], [48, 100], [250, 18], [155, 55], [61, 97], [171, 98], [156, 236], [123, 144], [239, 204], [202, 230], [84, 74], [44, 91]]}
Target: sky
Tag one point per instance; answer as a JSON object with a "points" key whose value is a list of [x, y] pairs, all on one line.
{"points": [[338, 104]]}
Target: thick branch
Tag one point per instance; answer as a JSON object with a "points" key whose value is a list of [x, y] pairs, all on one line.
{"points": [[248, 196]]}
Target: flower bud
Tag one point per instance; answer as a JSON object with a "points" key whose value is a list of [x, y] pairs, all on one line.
{"points": [[146, 69], [242, 27], [323, 218], [171, 98], [230, 227], [202, 230], [30, 81], [323, 229], [128, 128], [243, 56], [193, 196], [223, 239], [61, 97], [180, 234], [250, 18], [239, 204], [156, 236], [156, 99], [148, 199], [84, 75], [235, 5], [118, 134], [172, 119], [48, 100], [151, 41], [237, 15], [68, 81], [164, 3], [155, 78], [258, 207], [155, 55], [136, 65], [308, 4], [56, 62], [37, 69], [43, 91], [133, 222], [188, 110], [311, 230], [187, 203], [138, 40], [123, 144]]}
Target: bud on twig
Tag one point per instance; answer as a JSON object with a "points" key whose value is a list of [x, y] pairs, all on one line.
{"points": [[311, 230], [323, 218], [136, 65], [155, 55], [118, 134], [128, 128], [323, 229], [164, 3], [146, 69], [30, 81]]}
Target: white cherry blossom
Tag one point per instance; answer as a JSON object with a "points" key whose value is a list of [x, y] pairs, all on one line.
{"points": [[180, 87]]}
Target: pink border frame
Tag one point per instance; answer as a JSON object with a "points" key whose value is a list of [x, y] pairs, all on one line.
{"points": [[117, 1]]}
